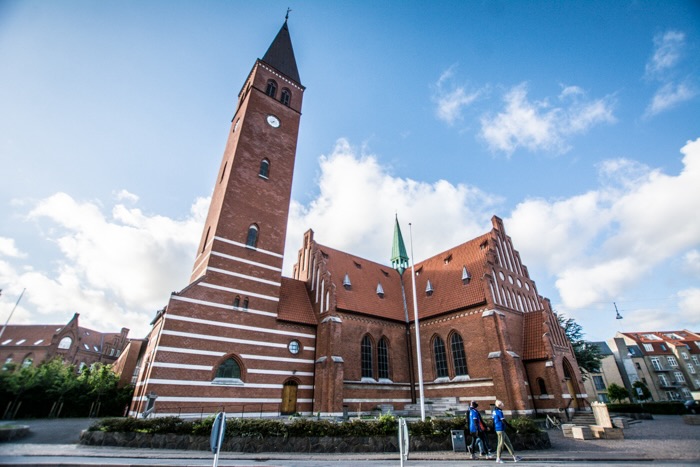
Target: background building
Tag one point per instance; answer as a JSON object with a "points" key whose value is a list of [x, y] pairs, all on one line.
{"points": [[26, 345]]}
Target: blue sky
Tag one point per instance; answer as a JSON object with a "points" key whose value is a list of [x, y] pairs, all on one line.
{"points": [[575, 122]]}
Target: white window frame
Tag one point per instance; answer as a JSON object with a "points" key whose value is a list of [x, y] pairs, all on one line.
{"points": [[656, 363], [648, 347], [663, 381], [679, 376], [672, 361]]}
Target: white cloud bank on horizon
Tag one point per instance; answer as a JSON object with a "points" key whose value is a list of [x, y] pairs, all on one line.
{"points": [[117, 270]]}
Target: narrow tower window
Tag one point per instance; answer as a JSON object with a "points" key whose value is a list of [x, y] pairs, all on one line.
{"points": [[264, 168], [271, 88], [285, 97], [252, 240], [245, 303], [237, 301]]}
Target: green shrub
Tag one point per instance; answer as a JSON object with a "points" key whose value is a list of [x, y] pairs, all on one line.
{"points": [[524, 425]]}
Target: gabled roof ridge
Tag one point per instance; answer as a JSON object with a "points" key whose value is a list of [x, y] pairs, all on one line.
{"points": [[455, 248], [323, 249]]}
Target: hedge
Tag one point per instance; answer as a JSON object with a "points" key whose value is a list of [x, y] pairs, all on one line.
{"points": [[658, 408]]}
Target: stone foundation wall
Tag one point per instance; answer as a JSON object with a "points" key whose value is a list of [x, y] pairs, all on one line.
{"points": [[280, 444]]}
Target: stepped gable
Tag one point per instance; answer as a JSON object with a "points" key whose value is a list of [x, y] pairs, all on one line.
{"points": [[361, 296], [533, 343], [294, 305], [444, 271]]}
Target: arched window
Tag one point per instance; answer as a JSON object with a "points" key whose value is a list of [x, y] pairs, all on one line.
{"points": [[440, 358], [541, 386], [459, 359], [229, 369], [367, 370], [27, 362], [245, 303], [65, 343], [252, 240], [271, 88], [383, 358], [237, 301], [264, 168], [285, 97]]}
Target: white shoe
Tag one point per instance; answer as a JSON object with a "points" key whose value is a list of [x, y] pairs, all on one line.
{"points": [[517, 458], [499, 461]]}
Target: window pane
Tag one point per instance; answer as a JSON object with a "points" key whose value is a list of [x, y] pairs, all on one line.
{"points": [[367, 358], [459, 359], [252, 239], [440, 358], [229, 369], [383, 359]]}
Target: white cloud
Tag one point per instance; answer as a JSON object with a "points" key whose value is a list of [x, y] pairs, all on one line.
{"points": [[541, 126], [669, 96], [358, 199], [114, 270], [662, 67], [125, 195], [667, 52], [599, 244], [9, 249], [691, 262], [451, 99]]}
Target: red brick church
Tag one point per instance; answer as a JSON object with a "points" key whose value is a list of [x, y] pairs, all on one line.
{"points": [[339, 336]]}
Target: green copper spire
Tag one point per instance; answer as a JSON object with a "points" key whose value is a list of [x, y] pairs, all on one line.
{"points": [[399, 257]]}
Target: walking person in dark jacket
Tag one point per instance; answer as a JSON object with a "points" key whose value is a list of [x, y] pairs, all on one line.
{"points": [[500, 424], [478, 432]]}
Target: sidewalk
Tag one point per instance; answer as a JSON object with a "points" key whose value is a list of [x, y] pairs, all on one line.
{"points": [[666, 438]]}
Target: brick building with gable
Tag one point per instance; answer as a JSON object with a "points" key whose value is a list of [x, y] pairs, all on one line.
{"points": [[31, 344], [339, 336]]}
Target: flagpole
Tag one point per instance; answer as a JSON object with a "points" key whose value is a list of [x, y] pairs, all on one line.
{"points": [[13, 310], [415, 315]]}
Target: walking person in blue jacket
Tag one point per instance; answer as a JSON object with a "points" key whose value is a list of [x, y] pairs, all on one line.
{"points": [[478, 432], [500, 424]]}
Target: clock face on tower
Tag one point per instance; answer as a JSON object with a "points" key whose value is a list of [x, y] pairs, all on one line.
{"points": [[273, 121]]}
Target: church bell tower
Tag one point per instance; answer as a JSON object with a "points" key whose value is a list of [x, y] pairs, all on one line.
{"points": [[219, 342]]}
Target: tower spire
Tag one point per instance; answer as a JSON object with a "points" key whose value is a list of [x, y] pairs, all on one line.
{"points": [[399, 257], [280, 54]]}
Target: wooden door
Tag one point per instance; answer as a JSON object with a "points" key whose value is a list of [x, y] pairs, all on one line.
{"points": [[289, 398]]}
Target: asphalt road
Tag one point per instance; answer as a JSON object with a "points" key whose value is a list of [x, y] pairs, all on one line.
{"points": [[54, 431]]}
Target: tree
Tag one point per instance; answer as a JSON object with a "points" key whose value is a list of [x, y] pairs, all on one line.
{"points": [[587, 355], [617, 392], [646, 394]]}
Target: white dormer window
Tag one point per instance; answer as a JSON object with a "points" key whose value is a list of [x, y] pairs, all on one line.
{"points": [[466, 277], [380, 290], [346, 282], [428, 288]]}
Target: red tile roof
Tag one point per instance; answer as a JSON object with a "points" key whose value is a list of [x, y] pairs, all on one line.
{"points": [[294, 304], [30, 335]]}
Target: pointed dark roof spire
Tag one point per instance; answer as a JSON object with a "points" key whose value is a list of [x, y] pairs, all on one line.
{"points": [[399, 257], [280, 55]]}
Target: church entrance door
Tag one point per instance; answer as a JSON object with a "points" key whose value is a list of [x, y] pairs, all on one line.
{"points": [[289, 398]]}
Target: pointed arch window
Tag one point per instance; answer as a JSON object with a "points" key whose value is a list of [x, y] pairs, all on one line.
{"points": [[542, 387], [366, 357], [383, 358], [252, 239], [264, 169], [237, 301], [459, 358], [440, 357], [65, 343], [285, 97], [245, 303], [229, 369], [271, 89]]}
